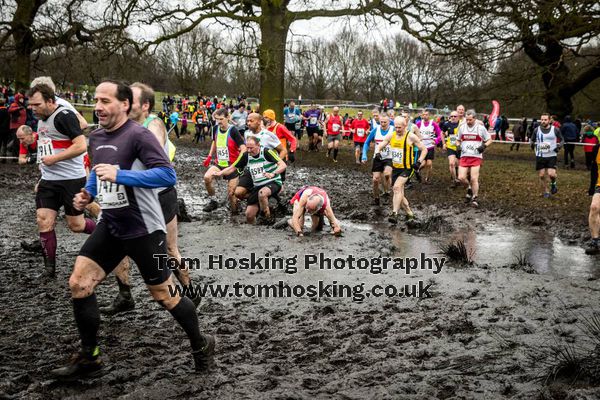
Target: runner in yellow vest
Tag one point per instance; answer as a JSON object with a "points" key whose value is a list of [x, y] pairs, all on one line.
{"points": [[402, 145]]}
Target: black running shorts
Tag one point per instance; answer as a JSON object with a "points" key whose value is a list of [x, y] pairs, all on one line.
{"points": [[168, 202], [146, 251], [253, 197], [57, 194], [545, 163]]}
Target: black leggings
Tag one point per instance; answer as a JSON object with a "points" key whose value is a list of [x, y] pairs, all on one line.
{"points": [[569, 150]]}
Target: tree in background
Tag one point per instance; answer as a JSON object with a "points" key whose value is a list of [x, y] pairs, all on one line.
{"points": [[558, 36]]}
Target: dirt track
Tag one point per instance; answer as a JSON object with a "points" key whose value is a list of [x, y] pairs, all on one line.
{"points": [[476, 338]]}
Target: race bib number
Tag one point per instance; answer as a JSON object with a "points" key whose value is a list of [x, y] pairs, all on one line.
{"points": [[544, 147], [470, 149], [397, 156], [313, 120], [44, 148], [223, 154], [453, 140], [111, 195], [257, 173], [335, 127], [360, 132], [385, 152]]}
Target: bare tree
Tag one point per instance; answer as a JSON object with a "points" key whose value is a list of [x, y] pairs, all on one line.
{"points": [[549, 32], [29, 26]]}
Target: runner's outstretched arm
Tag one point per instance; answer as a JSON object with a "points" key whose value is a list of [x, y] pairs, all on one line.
{"points": [[367, 142], [149, 179]]}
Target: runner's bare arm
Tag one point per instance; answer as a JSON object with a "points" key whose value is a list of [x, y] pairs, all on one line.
{"points": [[82, 122], [78, 147], [298, 214], [157, 127], [417, 142], [335, 226]]}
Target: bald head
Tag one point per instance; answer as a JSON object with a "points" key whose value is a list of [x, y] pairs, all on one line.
{"points": [[254, 122], [400, 122], [25, 135], [314, 203]]}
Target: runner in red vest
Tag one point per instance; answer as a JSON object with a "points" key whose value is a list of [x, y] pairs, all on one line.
{"points": [[316, 201], [360, 129], [334, 124]]}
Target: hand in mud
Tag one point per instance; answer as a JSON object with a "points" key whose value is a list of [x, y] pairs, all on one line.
{"points": [[49, 160], [106, 172], [82, 199], [481, 149], [337, 231]]}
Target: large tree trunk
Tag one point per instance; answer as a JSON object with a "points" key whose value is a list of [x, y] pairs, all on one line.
{"points": [[23, 38], [271, 58], [558, 90]]}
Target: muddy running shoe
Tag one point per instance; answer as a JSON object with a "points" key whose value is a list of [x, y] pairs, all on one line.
{"points": [[546, 195], [553, 188], [593, 247], [469, 195], [474, 202], [204, 359], [393, 218], [410, 217], [82, 365], [120, 304], [49, 270], [376, 201], [211, 206], [34, 246]]}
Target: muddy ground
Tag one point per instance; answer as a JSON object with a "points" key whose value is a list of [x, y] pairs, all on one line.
{"points": [[489, 331]]}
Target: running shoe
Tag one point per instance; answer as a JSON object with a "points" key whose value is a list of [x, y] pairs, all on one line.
{"points": [[120, 304], [81, 365], [553, 188], [546, 195], [204, 359], [334, 160], [593, 247], [393, 218], [410, 217], [211, 206], [474, 202]]}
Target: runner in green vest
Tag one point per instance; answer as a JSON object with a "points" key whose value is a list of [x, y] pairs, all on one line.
{"points": [[265, 168], [226, 148]]}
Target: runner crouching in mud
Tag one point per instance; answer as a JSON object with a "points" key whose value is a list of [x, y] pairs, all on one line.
{"points": [[315, 201], [266, 169]]}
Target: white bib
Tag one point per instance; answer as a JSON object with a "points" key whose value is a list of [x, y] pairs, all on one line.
{"points": [[360, 132], [111, 195], [335, 127], [313, 120], [44, 148], [397, 156]]}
